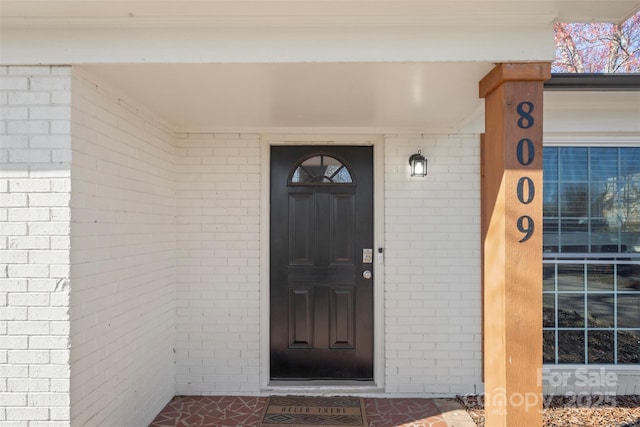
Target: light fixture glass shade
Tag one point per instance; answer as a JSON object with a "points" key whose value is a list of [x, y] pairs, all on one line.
{"points": [[418, 164]]}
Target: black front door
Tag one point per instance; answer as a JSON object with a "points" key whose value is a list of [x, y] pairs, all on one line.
{"points": [[321, 284]]}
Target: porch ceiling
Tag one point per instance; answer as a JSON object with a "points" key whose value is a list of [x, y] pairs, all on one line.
{"points": [[306, 96], [246, 65]]}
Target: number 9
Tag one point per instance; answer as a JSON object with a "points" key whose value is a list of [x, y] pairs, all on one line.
{"points": [[528, 229]]}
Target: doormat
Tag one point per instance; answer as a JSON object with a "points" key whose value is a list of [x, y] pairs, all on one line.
{"points": [[308, 411]]}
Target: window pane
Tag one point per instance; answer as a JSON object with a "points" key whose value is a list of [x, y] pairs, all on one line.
{"points": [[600, 346], [321, 170], [550, 162], [551, 201], [548, 346], [301, 175], [549, 277], [603, 164], [600, 311], [575, 231], [629, 347], [551, 235], [626, 218], [549, 311], [628, 310], [574, 200], [600, 277], [573, 164], [629, 278], [570, 310], [629, 161], [313, 161], [630, 240], [570, 347], [570, 277], [574, 235], [628, 212], [600, 198], [342, 175], [604, 238], [625, 206]]}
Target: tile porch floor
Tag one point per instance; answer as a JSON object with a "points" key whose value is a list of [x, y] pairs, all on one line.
{"points": [[238, 411]]}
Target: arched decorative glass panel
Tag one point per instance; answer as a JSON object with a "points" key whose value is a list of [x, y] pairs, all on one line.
{"points": [[321, 169]]}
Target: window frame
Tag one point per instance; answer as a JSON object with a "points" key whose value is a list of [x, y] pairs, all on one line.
{"points": [[555, 259], [343, 165]]}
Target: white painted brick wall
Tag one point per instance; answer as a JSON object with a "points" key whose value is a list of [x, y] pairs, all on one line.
{"points": [[123, 260], [34, 246], [432, 298], [432, 270], [163, 252], [432, 266], [218, 333]]}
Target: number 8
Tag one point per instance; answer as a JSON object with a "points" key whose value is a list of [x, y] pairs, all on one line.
{"points": [[526, 119]]}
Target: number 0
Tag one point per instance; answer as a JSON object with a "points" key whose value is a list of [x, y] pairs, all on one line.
{"points": [[531, 190], [530, 152]]}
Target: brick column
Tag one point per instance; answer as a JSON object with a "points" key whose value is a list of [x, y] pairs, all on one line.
{"points": [[35, 155], [512, 243]]}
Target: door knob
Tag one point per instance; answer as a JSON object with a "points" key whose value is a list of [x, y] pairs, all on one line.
{"points": [[367, 274]]}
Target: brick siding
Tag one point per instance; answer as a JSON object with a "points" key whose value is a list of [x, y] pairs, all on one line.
{"points": [[218, 264], [35, 155], [432, 266], [123, 260], [131, 258]]}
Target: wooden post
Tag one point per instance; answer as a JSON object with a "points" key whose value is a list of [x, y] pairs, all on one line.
{"points": [[512, 243]]}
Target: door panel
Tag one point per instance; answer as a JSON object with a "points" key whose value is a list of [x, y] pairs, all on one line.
{"points": [[342, 321], [321, 306], [301, 318], [342, 225], [301, 225]]}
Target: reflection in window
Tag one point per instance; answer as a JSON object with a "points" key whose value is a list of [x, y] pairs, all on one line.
{"points": [[321, 169], [628, 347], [570, 277], [549, 310], [591, 270], [570, 310], [628, 310], [601, 348], [601, 314], [600, 277], [548, 346], [591, 199], [570, 346]]}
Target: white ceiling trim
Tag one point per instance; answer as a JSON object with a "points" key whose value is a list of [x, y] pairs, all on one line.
{"points": [[276, 45], [84, 22], [328, 13], [305, 13]]}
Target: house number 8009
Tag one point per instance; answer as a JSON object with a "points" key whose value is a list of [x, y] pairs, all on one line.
{"points": [[525, 152]]}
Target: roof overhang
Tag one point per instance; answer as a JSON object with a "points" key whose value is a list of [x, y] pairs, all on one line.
{"points": [[461, 13], [384, 65], [235, 31]]}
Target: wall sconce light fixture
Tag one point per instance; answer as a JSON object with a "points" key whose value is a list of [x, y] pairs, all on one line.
{"points": [[418, 164]]}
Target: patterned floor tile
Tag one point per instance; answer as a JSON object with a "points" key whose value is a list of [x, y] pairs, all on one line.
{"points": [[241, 411]]}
